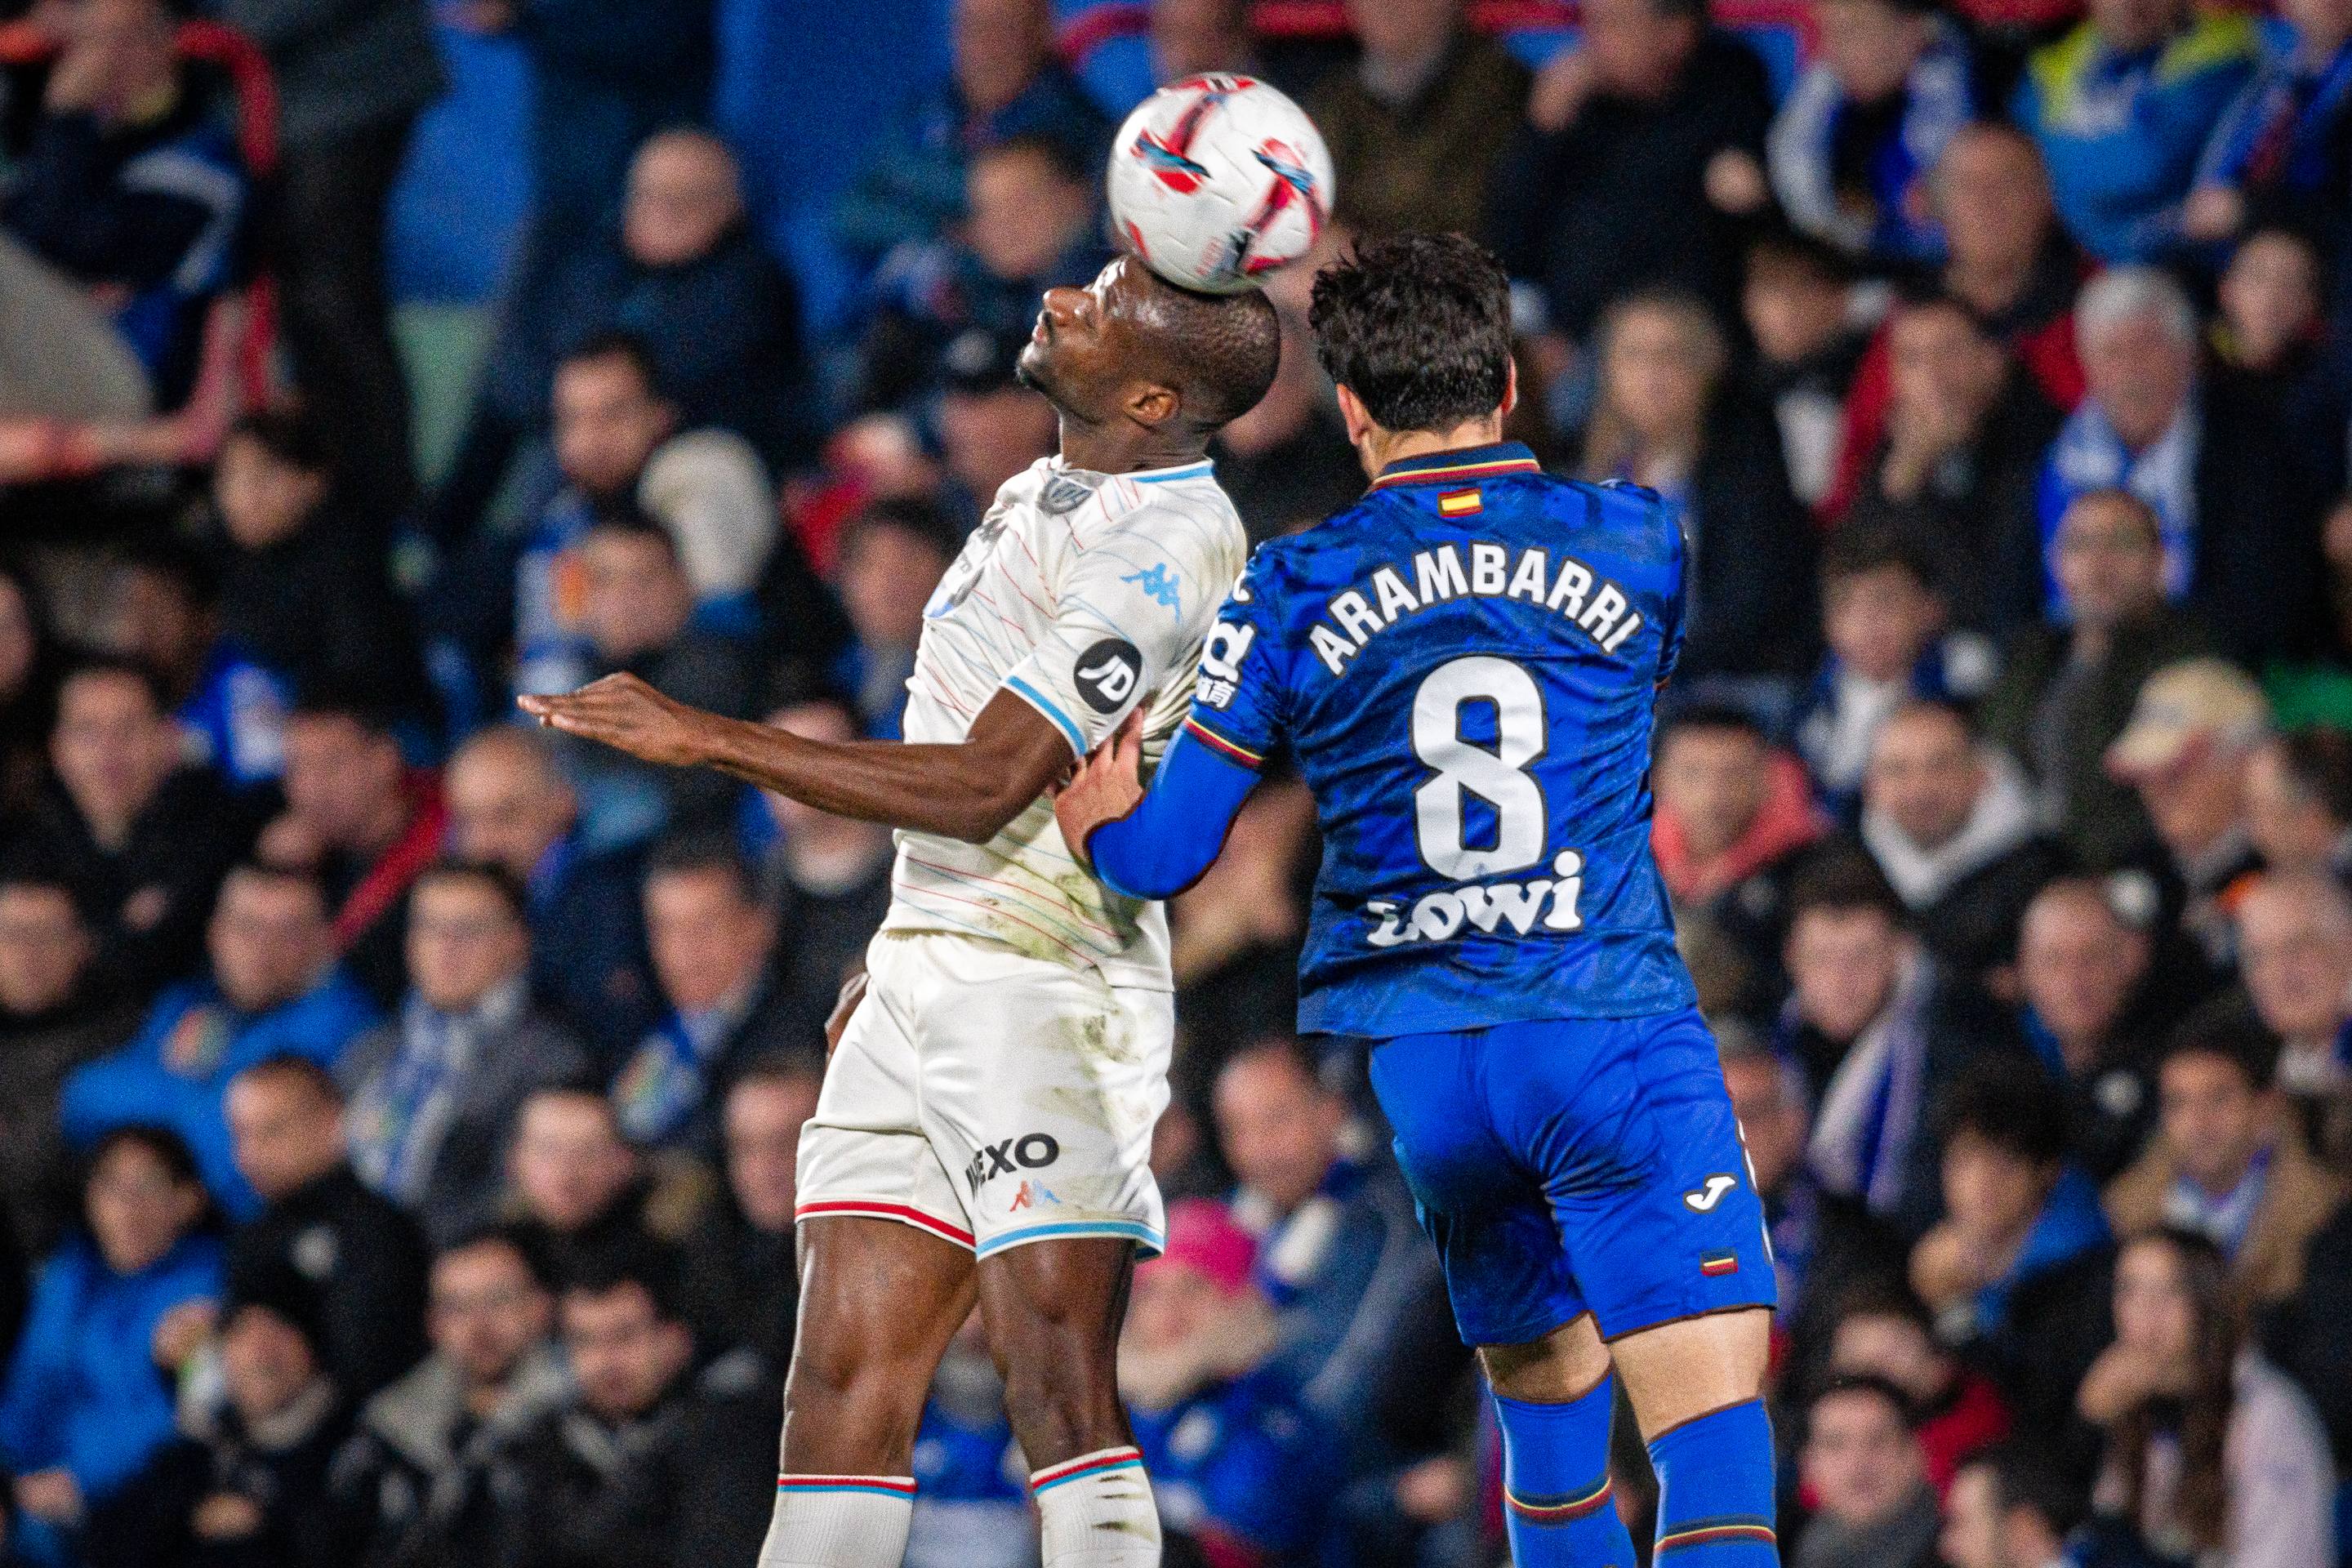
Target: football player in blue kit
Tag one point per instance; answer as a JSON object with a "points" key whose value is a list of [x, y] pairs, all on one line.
{"points": [[1464, 666]]}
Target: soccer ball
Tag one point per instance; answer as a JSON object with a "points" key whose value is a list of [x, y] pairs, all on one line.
{"points": [[1217, 180]]}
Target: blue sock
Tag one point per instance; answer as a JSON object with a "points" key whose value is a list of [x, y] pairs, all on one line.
{"points": [[1715, 1491], [1558, 1505]]}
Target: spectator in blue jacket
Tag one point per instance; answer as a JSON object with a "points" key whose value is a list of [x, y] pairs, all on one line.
{"points": [[133, 186], [118, 1310], [1004, 81], [2281, 151], [2123, 107], [274, 989], [1236, 1461]]}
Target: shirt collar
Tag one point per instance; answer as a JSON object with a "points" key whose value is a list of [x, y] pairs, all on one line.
{"points": [[1464, 465]]}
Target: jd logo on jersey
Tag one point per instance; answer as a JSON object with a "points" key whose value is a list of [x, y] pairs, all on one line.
{"points": [[1031, 1151], [1107, 674], [1705, 1200]]}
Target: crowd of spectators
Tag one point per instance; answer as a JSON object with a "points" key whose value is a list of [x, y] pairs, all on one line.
{"points": [[398, 1105]]}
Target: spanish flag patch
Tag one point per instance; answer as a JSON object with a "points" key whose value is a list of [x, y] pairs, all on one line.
{"points": [[1713, 1263], [1460, 503]]}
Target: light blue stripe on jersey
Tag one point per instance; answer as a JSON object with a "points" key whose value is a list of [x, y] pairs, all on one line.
{"points": [[1045, 705], [1190, 472]]}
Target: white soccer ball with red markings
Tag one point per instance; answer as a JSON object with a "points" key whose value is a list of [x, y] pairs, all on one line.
{"points": [[1217, 180]]}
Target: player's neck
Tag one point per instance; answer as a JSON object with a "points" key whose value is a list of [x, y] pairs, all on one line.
{"points": [[1112, 449], [1377, 449]]}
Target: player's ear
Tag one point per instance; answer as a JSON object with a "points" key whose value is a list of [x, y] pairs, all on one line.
{"points": [[1355, 416], [1151, 403], [1510, 385]]}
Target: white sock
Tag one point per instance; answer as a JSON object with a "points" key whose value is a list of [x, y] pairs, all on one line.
{"points": [[1095, 1511], [839, 1521]]}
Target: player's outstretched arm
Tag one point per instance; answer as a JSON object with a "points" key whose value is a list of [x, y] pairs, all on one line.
{"points": [[1152, 843], [968, 790]]}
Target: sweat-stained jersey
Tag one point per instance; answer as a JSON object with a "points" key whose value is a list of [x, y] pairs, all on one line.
{"points": [[1083, 594], [1464, 664]]}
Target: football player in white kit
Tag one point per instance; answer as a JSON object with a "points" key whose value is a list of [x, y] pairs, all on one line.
{"points": [[985, 1126]]}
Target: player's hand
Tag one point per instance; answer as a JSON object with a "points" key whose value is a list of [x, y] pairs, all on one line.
{"points": [[836, 1023], [1105, 787], [623, 712]]}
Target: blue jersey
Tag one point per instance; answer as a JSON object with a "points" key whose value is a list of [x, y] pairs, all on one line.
{"points": [[1464, 664]]}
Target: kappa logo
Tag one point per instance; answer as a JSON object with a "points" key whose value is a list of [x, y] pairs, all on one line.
{"points": [[1033, 1194], [1158, 586], [1030, 1151], [1705, 1200], [1107, 674]]}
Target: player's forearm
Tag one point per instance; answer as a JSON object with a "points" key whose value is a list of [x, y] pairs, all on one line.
{"points": [[956, 790], [1177, 830]]}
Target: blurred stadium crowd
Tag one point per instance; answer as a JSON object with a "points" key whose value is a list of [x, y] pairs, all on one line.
{"points": [[398, 1106]]}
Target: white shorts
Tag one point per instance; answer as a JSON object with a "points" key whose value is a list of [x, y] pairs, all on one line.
{"points": [[991, 1099]]}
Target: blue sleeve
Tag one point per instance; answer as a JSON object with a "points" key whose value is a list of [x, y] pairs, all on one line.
{"points": [[36, 1389], [1173, 835]]}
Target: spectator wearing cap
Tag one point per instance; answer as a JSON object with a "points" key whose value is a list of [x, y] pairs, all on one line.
{"points": [[1419, 121], [740, 1282], [247, 1487], [1810, 325], [433, 1091], [712, 942], [302, 593], [2238, 504], [510, 806], [1951, 822], [2008, 261], [1030, 224], [131, 190], [1004, 80], [2068, 687], [827, 878], [1890, 85], [1250, 1477], [2225, 1164], [52, 1020], [1884, 1331], [2299, 802], [273, 988], [141, 839], [118, 1310], [2209, 1450], [990, 426], [1733, 820], [2091, 999], [1884, 621], [1606, 188], [1953, 475], [2184, 754], [2022, 1228], [1863, 1463], [365, 822], [619, 440], [2294, 951], [347, 1260], [649, 1462], [636, 608], [893, 556], [417, 1485], [1878, 1024], [2122, 106], [2009, 1508]]}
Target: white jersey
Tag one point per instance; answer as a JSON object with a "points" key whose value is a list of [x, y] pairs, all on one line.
{"points": [[1083, 594]]}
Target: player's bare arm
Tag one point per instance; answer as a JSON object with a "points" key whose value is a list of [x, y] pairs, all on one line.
{"points": [[968, 790]]}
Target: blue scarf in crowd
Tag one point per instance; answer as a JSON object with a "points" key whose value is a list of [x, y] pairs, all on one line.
{"points": [[1939, 100], [2089, 455]]}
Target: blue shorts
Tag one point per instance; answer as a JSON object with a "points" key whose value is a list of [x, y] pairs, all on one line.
{"points": [[1576, 1165]]}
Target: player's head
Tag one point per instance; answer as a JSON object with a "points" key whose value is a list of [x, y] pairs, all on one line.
{"points": [[1132, 349], [1415, 329]]}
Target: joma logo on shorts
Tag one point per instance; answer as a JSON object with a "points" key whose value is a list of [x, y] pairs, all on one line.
{"points": [[1030, 1151]]}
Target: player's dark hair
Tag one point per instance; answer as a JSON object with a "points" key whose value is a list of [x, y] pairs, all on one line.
{"points": [[1856, 551], [2318, 765], [1842, 880], [291, 435], [2011, 1106], [1418, 326], [288, 1067], [482, 874], [2229, 1029], [1868, 1382], [616, 344], [1220, 351]]}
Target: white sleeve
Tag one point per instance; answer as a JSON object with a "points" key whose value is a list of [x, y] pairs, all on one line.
{"points": [[1133, 608]]}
